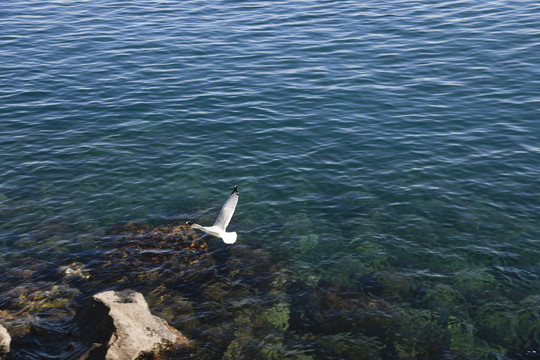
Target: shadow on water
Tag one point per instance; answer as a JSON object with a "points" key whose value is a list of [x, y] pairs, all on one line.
{"points": [[236, 302]]}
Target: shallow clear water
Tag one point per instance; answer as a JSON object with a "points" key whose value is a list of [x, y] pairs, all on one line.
{"points": [[389, 148]]}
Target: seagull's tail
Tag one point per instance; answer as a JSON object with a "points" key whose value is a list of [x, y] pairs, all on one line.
{"points": [[229, 237]]}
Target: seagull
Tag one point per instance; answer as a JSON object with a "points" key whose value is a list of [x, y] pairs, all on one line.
{"points": [[219, 228]]}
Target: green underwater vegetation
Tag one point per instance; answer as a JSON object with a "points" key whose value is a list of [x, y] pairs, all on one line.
{"points": [[244, 303]]}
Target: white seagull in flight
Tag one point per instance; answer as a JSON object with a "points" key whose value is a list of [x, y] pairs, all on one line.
{"points": [[225, 215]]}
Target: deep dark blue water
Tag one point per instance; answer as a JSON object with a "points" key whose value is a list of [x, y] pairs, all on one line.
{"points": [[390, 149]]}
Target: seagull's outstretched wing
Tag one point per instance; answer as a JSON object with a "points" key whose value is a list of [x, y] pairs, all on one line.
{"points": [[227, 210]]}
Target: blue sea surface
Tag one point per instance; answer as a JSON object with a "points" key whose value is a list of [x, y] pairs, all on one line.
{"points": [[387, 152]]}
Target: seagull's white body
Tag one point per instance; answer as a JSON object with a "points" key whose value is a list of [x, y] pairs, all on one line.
{"points": [[219, 228]]}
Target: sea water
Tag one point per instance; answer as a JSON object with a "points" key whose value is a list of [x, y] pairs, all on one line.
{"points": [[387, 150]]}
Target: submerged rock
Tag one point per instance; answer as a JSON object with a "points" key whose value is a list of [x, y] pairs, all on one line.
{"points": [[200, 287], [118, 325], [5, 342], [74, 269]]}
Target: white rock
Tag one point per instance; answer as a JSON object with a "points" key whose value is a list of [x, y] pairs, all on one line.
{"points": [[5, 342], [121, 327]]}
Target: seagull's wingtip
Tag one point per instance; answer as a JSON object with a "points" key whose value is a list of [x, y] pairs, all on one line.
{"points": [[235, 190]]}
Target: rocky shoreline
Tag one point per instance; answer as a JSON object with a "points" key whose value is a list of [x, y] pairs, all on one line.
{"points": [[116, 325], [95, 309]]}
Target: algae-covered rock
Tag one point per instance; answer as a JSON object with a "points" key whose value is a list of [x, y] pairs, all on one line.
{"points": [[528, 322], [344, 345], [301, 231], [499, 324], [477, 280], [278, 315], [173, 305], [75, 269], [335, 308], [258, 335], [354, 346], [419, 334], [144, 255], [29, 301], [464, 340]]}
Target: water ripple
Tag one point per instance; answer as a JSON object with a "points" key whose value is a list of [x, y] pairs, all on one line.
{"points": [[400, 137]]}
